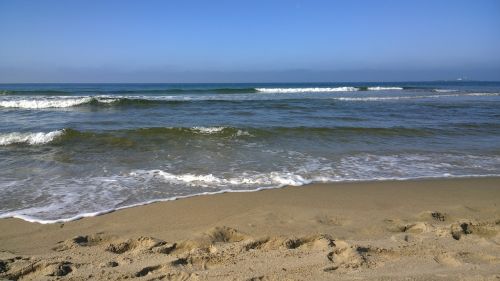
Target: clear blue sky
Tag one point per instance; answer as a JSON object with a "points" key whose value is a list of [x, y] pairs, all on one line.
{"points": [[253, 40]]}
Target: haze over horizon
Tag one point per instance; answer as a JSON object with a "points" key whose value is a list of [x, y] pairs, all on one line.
{"points": [[255, 41]]}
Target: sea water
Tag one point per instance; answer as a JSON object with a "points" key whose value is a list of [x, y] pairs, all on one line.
{"points": [[74, 150]]}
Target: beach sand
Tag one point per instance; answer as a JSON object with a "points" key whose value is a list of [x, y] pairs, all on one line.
{"points": [[388, 230]]}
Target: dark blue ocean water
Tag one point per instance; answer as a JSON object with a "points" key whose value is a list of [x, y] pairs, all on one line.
{"points": [[68, 150]]}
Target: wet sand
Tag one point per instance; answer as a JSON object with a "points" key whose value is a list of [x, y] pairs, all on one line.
{"points": [[390, 230]]}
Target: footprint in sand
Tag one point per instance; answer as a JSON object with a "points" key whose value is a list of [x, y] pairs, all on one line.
{"points": [[321, 241], [141, 244], [36, 270], [81, 241], [485, 229], [147, 270], [447, 260], [435, 216], [414, 228], [347, 257], [329, 220]]}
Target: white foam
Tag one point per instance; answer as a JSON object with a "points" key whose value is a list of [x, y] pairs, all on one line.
{"points": [[62, 102], [51, 102], [411, 97], [33, 219], [384, 88], [29, 138], [444, 90], [208, 130], [207, 180], [106, 100], [45, 102], [306, 90], [100, 195], [216, 130], [28, 218], [482, 94]]}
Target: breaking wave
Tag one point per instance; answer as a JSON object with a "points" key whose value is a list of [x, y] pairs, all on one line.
{"points": [[107, 101], [445, 90], [49, 92], [141, 136], [44, 103], [117, 138], [384, 88], [29, 138], [414, 97], [53, 102], [306, 90]]}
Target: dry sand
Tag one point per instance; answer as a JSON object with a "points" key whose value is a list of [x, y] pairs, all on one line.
{"points": [[394, 230]]}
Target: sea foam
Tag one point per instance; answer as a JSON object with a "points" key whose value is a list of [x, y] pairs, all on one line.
{"points": [[383, 88], [444, 90], [306, 90], [275, 179], [45, 103], [415, 97], [40, 103], [69, 200], [29, 138], [208, 130]]}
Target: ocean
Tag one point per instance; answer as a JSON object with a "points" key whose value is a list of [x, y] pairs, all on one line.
{"points": [[74, 150]]}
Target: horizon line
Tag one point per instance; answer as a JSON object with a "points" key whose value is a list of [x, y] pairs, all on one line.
{"points": [[275, 82]]}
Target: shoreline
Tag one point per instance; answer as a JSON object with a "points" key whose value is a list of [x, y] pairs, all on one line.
{"points": [[440, 229], [108, 211]]}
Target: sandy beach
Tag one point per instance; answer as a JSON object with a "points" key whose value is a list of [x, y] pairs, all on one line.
{"points": [[250, 140], [391, 230]]}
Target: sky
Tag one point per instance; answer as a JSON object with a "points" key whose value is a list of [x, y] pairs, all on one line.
{"points": [[248, 41]]}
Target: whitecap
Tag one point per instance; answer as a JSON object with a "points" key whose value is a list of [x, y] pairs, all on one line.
{"points": [[29, 138], [45, 103], [208, 130], [444, 90], [383, 88], [414, 97], [306, 90]]}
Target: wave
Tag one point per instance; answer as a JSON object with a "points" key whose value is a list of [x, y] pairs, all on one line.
{"points": [[273, 180], [45, 103], [198, 90], [208, 130], [117, 137], [30, 138], [254, 183], [444, 90], [65, 102], [67, 198], [384, 88], [137, 137], [326, 89], [306, 90], [415, 97], [214, 90]]}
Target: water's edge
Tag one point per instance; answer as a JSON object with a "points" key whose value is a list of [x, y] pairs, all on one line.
{"points": [[94, 214]]}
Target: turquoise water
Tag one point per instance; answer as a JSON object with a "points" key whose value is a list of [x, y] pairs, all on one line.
{"points": [[72, 150]]}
